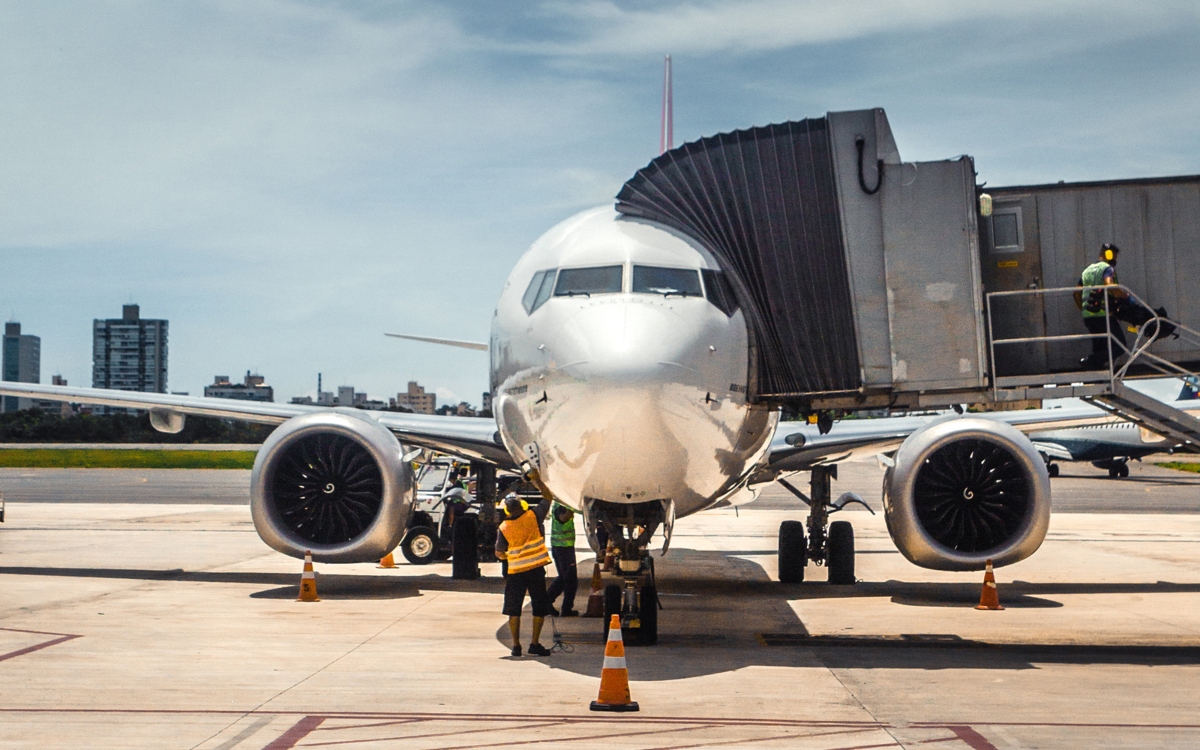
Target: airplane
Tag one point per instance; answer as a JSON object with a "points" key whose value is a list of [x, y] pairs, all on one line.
{"points": [[1109, 445], [619, 359], [616, 355]]}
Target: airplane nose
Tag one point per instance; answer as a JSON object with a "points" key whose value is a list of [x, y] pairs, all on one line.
{"points": [[623, 343]]}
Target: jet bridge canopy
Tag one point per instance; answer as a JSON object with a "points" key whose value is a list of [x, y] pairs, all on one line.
{"points": [[764, 202], [859, 275]]}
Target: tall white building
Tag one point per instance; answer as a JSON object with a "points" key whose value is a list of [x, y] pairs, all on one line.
{"points": [[130, 353]]}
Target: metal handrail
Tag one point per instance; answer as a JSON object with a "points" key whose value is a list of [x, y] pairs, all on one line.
{"points": [[1138, 351]]}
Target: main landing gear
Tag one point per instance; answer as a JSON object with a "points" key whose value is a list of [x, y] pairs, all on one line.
{"points": [[635, 599], [1118, 468], [831, 544]]}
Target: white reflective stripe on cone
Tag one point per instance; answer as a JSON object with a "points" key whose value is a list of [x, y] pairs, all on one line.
{"points": [[614, 634], [614, 662]]}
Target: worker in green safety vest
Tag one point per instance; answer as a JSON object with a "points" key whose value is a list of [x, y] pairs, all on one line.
{"points": [[1099, 314], [562, 549]]}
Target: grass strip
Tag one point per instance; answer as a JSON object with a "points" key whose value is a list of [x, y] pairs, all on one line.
{"points": [[1181, 466], [102, 458]]}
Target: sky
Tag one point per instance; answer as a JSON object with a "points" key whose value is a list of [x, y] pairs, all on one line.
{"points": [[285, 181]]}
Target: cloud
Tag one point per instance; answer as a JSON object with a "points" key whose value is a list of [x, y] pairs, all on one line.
{"points": [[286, 180], [701, 28]]}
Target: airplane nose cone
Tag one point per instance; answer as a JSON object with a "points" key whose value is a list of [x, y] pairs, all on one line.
{"points": [[622, 343]]}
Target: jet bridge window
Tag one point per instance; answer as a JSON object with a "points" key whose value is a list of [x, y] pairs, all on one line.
{"points": [[659, 280], [588, 281], [718, 291], [539, 290], [1006, 231]]}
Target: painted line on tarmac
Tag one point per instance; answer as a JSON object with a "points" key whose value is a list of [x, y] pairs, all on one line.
{"points": [[62, 638]]}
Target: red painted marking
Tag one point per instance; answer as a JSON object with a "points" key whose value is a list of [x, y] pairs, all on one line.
{"points": [[62, 638], [790, 736], [974, 739], [431, 734], [297, 732]]}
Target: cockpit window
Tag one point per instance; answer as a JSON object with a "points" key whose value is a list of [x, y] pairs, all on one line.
{"points": [[538, 291], [718, 291], [665, 281], [588, 281]]}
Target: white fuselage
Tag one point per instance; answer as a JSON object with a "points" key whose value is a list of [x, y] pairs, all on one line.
{"points": [[628, 391]]}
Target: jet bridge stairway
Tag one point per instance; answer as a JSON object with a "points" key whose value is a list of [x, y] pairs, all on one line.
{"points": [[1107, 388], [1154, 415]]}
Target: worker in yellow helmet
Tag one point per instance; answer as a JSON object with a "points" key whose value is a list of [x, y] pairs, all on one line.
{"points": [[521, 543], [1100, 310]]}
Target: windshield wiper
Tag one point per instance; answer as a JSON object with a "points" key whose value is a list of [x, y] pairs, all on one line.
{"points": [[576, 294], [681, 294]]}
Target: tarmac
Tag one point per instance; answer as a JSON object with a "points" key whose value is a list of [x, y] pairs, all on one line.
{"points": [[144, 621]]}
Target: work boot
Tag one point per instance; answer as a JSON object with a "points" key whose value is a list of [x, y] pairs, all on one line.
{"points": [[553, 611], [516, 650], [537, 649], [570, 613]]}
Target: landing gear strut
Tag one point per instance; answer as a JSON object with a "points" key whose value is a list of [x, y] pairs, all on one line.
{"points": [[831, 544], [635, 599]]}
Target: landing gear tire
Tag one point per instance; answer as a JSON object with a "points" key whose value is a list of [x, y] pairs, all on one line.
{"points": [[840, 557], [648, 614], [1124, 470], [420, 545], [1052, 470], [793, 552], [1118, 472], [612, 605]]}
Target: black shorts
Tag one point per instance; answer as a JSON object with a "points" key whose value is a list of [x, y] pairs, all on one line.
{"points": [[515, 586]]}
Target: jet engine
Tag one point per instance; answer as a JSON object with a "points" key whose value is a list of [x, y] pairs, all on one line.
{"points": [[333, 482], [966, 490]]}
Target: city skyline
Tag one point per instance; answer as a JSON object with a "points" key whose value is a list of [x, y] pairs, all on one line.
{"points": [[286, 181]]}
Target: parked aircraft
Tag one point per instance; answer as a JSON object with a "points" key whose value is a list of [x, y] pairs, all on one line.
{"points": [[1109, 445], [620, 360]]}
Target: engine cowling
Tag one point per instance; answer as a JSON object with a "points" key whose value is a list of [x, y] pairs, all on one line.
{"points": [[966, 490], [333, 482]]}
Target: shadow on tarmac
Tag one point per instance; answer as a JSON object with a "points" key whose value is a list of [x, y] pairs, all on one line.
{"points": [[330, 585], [722, 613]]}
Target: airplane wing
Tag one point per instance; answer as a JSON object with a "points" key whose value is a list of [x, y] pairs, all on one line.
{"points": [[798, 446], [1053, 450], [476, 345], [469, 437]]}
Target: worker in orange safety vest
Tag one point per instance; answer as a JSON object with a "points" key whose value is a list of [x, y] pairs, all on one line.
{"points": [[521, 544]]}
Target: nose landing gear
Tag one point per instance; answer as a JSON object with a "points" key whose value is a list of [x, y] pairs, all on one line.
{"points": [[635, 599], [831, 544]]}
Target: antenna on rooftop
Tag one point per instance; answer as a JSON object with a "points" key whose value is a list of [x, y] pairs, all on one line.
{"points": [[666, 140]]}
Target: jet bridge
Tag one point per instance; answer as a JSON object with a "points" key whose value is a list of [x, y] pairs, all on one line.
{"points": [[858, 273], [862, 276]]}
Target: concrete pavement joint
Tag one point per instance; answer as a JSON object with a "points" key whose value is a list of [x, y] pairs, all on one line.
{"points": [[326, 666]]}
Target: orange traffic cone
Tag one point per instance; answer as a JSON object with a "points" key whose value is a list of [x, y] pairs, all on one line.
{"points": [[610, 558], [595, 607], [308, 581], [614, 677], [990, 598], [387, 562]]}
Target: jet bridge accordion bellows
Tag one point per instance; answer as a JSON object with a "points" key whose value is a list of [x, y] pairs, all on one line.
{"points": [[764, 202]]}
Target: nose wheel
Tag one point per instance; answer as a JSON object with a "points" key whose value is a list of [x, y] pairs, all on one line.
{"points": [[635, 600], [829, 544]]}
